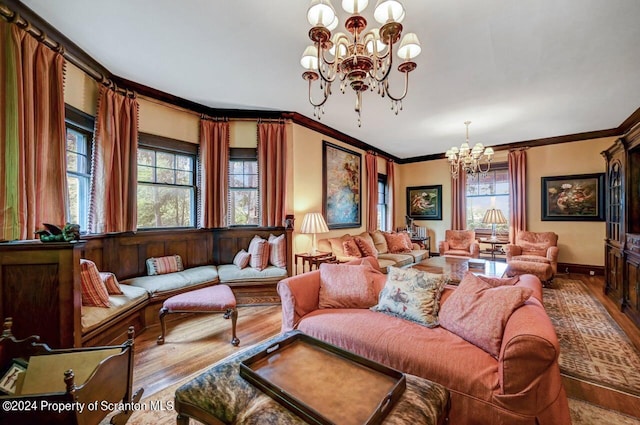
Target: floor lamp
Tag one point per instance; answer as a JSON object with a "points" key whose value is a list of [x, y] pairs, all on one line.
{"points": [[494, 216], [314, 223]]}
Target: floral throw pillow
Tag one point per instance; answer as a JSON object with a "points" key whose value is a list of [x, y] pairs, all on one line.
{"points": [[412, 295], [398, 243], [366, 246], [351, 248]]}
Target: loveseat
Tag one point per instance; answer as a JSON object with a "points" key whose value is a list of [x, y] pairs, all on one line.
{"points": [[522, 385], [400, 257]]}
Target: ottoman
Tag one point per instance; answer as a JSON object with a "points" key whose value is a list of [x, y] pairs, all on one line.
{"points": [[221, 396], [542, 271], [212, 299]]}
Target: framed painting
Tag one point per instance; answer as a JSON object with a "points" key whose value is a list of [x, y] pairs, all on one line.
{"points": [[424, 202], [578, 197], [341, 186]]}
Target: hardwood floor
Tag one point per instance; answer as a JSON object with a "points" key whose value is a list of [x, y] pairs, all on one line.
{"points": [[196, 341]]}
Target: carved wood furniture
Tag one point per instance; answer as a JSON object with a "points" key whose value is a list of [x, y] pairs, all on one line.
{"points": [[109, 383]]}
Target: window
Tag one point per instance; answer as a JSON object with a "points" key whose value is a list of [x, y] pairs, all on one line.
{"points": [[383, 206], [79, 135], [243, 188], [484, 192], [166, 183]]}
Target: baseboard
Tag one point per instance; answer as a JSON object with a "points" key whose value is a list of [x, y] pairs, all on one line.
{"points": [[581, 269]]}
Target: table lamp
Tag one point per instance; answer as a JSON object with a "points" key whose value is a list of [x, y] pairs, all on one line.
{"points": [[494, 216], [314, 223]]}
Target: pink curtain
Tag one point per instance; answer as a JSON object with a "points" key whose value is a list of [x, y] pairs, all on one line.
{"points": [[214, 160], [114, 176], [391, 190], [371, 162], [459, 202], [33, 185], [517, 193], [272, 168]]}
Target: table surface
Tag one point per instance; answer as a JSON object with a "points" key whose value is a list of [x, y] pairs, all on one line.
{"points": [[457, 267]]}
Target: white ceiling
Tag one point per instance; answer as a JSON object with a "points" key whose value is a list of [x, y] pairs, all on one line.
{"points": [[518, 69]]}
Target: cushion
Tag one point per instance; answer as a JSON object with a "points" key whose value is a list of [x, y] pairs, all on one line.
{"points": [[460, 240], [350, 248], [499, 281], [336, 245], [242, 259], [259, 251], [111, 283], [397, 243], [412, 294], [94, 293], [379, 241], [164, 265], [346, 286], [478, 312], [278, 250], [366, 246]]}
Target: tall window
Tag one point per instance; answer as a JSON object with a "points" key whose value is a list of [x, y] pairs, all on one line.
{"points": [[484, 192], [79, 129], [166, 183], [383, 204], [243, 187]]}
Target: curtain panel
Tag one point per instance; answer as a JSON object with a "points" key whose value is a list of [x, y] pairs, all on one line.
{"points": [[114, 164], [371, 163], [272, 167], [214, 162], [33, 186], [459, 201], [391, 190], [517, 193]]}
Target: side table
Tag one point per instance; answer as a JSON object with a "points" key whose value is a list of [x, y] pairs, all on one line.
{"points": [[424, 242], [495, 246], [313, 260]]}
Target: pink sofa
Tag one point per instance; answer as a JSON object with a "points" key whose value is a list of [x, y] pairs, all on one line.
{"points": [[523, 386]]}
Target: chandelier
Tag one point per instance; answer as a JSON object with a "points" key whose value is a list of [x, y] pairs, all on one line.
{"points": [[361, 59], [467, 159]]}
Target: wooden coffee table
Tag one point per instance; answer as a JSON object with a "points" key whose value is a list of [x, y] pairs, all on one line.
{"points": [[457, 267]]}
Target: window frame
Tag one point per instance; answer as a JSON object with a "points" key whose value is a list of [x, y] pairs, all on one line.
{"points": [[244, 155], [382, 179], [486, 232]]}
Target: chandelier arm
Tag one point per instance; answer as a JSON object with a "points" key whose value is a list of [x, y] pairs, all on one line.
{"points": [[327, 78], [479, 165], [387, 71], [327, 91], [404, 93]]}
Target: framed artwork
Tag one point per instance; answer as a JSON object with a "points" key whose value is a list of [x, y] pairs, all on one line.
{"points": [[341, 186], [578, 197], [424, 202], [13, 377]]}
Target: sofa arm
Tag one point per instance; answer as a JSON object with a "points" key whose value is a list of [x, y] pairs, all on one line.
{"points": [[300, 296], [474, 248], [552, 256], [512, 250], [443, 246]]}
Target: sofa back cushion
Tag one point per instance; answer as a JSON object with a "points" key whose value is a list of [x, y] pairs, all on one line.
{"points": [[478, 312], [164, 265], [278, 250], [460, 239], [379, 241], [536, 243], [259, 251], [346, 286], [336, 245]]}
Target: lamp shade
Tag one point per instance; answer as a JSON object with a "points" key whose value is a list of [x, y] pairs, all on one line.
{"points": [[321, 13], [494, 216], [314, 223]]}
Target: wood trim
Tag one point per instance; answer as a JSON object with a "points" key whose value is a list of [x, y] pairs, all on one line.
{"points": [[580, 268], [632, 121], [79, 118]]}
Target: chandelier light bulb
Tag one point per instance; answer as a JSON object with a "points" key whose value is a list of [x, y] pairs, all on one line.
{"points": [[379, 45], [409, 47], [388, 11], [354, 6], [321, 13], [310, 58]]}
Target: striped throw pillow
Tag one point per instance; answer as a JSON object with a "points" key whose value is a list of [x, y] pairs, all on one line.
{"points": [[164, 265], [259, 251], [241, 259], [94, 293], [111, 283], [278, 251]]}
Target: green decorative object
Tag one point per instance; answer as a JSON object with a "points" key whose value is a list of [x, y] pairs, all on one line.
{"points": [[52, 233]]}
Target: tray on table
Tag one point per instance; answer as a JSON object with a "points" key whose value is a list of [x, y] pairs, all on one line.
{"points": [[324, 384]]}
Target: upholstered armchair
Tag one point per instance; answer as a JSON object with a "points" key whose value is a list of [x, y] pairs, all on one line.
{"points": [[460, 242], [538, 247]]}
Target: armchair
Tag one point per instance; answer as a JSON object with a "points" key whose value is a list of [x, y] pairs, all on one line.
{"points": [[461, 243], [534, 252]]}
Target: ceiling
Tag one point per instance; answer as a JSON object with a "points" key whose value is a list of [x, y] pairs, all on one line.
{"points": [[518, 69]]}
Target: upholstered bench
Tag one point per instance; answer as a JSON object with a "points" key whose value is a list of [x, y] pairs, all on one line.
{"points": [[220, 395], [213, 299], [542, 271]]}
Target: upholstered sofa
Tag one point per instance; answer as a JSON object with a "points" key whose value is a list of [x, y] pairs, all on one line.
{"points": [[461, 243], [521, 386], [382, 252]]}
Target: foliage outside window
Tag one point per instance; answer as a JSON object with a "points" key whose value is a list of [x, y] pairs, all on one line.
{"points": [[484, 192], [166, 188], [79, 135], [243, 188], [383, 206]]}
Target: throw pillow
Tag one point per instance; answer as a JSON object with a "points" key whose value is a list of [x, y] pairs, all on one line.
{"points": [[412, 294], [242, 259], [500, 281], [94, 293], [259, 251], [346, 286], [397, 243], [278, 251], [336, 245], [164, 265], [478, 312], [111, 283], [379, 241], [350, 248], [366, 246]]}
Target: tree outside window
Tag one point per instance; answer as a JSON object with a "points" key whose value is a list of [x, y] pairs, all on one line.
{"points": [[485, 191], [243, 188]]}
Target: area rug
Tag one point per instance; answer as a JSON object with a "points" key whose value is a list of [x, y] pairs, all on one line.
{"points": [[583, 413], [593, 347]]}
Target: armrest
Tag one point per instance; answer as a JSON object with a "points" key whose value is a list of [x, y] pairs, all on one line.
{"points": [[300, 296], [474, 248], [443, 246], [552, 254], [512, 250]]}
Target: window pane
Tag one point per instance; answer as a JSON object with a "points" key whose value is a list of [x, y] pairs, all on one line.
{"points": [[184, 163], [184, 177], [243, 207], [165, 160], [165, 176], [251, 181], [73, 187], [145, 157], [165, 206], [72, 161], [485, 192], [236, 181], [251, 167], [236, 167]]}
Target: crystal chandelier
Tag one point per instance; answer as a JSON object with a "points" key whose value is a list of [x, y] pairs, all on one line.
{"points": [[361, 59], [469, 160]]}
